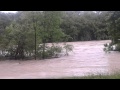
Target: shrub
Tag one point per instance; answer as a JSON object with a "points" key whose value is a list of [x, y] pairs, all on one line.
{"points": [[68, 48], [118, 47]]}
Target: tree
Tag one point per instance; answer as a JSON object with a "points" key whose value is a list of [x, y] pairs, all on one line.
{"points": [[18, 38], [113, 30], [30, 31], [86, 25], [114, 22], [51, 31], [35, 18]]}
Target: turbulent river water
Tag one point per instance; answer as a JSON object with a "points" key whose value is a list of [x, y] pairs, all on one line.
{"points": [[87, 58]]}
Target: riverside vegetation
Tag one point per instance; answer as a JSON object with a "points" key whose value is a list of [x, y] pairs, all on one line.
{"points": [[38, 34]]}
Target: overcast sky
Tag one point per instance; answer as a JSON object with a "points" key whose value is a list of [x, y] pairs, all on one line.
{"points": [[9, 11]]}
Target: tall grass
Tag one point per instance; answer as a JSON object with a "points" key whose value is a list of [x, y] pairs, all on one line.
{"points": [[98, 76]]}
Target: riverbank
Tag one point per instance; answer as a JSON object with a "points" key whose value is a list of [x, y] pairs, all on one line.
{"points": [[99, 76]]}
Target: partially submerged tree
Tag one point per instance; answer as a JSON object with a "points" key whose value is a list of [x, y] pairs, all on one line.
{"points": [[28, 35], [114, 30]]}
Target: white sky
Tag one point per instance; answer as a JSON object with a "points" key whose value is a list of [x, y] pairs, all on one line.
{"points": [[9, 11]]}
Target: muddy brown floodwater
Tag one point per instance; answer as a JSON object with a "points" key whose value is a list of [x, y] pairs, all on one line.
{"points": [[87, 57]]}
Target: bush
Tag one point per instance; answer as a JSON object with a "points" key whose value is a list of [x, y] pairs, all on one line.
{"points": [[68, 48], [118, 47], [107, 47], [111, 47], [50, 51], [54, 51]]}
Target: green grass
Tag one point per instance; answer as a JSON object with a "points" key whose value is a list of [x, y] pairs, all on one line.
{"points": [[99, 76]]}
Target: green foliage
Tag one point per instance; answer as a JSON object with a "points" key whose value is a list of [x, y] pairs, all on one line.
{"points": [[22, 38], [68, 48], [108, 47], [113, 30], [85, 25], [118, 47], [22, 33], [54, 51]]}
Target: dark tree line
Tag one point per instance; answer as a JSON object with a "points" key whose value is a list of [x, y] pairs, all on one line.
{"points": [[85, 26]]}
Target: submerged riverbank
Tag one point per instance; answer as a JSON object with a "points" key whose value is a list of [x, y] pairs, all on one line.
{"points": [[87, 58], [99, 76]]}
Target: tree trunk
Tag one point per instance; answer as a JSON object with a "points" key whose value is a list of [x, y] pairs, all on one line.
{"points": [[43, 54]]}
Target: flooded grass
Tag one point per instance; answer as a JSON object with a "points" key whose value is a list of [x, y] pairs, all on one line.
{"points": [[98, 76]]}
